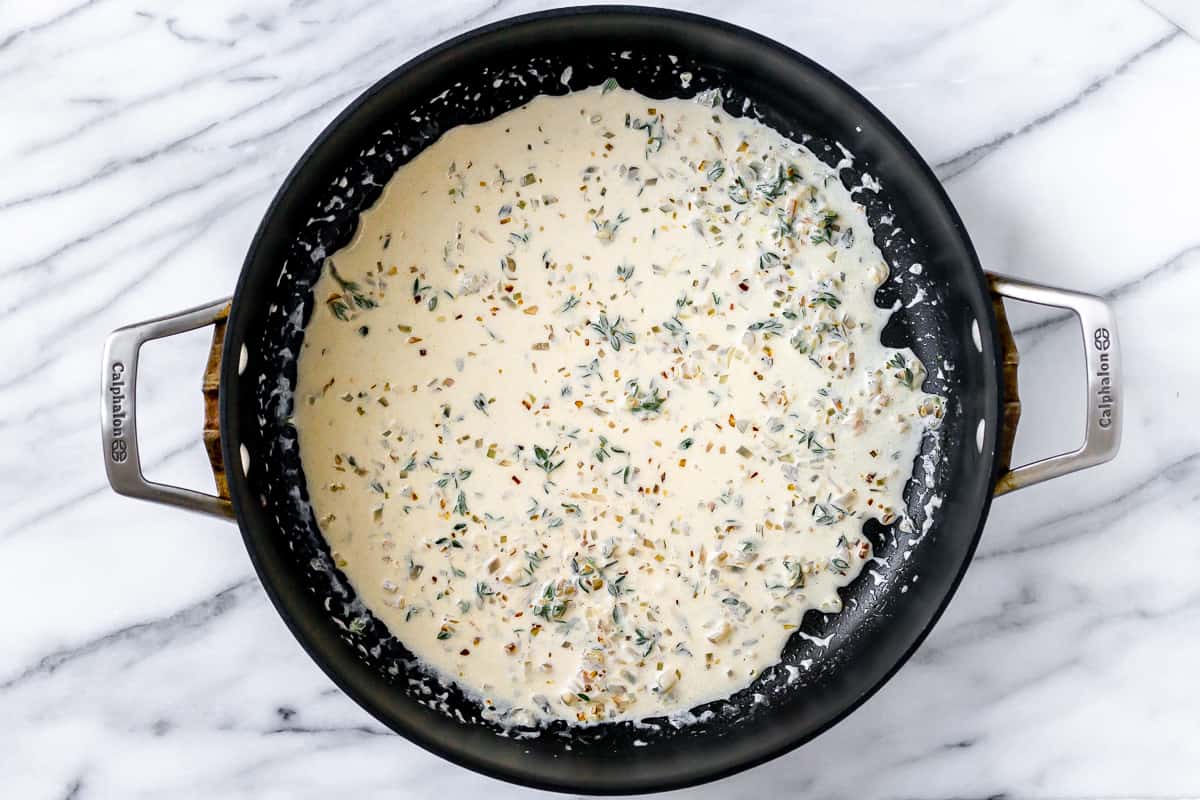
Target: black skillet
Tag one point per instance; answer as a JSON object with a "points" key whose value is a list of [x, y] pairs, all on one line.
{"points": [[471, 79]]}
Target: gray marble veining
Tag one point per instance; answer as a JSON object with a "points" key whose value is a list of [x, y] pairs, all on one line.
{"points": [[140, 143]]}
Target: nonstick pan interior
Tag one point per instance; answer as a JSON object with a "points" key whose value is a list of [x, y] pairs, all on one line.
{"points": [[835, 661]]}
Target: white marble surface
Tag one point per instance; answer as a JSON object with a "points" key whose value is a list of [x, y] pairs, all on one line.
{"points": [[140, 142]]}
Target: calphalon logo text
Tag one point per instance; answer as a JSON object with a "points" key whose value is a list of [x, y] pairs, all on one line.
{"points": [[117, 405], [1104, 393]]}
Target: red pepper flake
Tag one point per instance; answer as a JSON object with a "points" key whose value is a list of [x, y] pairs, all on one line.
{"points": [[516, 480]]}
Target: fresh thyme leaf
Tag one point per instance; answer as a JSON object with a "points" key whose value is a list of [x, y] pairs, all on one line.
{"points": [[454, 477], [551, 607], [612, 332], [828, 298], [338, 308], [826, 227], [625, 472], [769, 259], [645, 640], [775, 189], [591, 369], [676, 328], [809, 438], [795, 571], [544, 459], [656, 134], [827, 513], [648, 403], [905, 373], [338, 305], [739, 193], [768, 327], [533, 560], [349, 286], [607, 230]]}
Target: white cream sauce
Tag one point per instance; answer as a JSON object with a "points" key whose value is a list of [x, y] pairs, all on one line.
{"points": [[593, 407]]}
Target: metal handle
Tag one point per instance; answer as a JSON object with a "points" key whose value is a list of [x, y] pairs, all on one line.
{"points": [[1102, 434], [118, 411]]}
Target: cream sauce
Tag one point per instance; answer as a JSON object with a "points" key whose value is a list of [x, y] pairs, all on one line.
{"points": [[593, 407]]}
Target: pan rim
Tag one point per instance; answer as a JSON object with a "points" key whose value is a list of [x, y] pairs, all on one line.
{"points": [[274, 579]]}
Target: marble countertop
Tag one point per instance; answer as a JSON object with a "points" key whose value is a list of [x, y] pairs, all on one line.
{"points": [[140, 143]]}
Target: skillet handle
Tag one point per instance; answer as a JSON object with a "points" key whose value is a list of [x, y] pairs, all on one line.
{"points": [[118, 410], [1102, 433]]}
